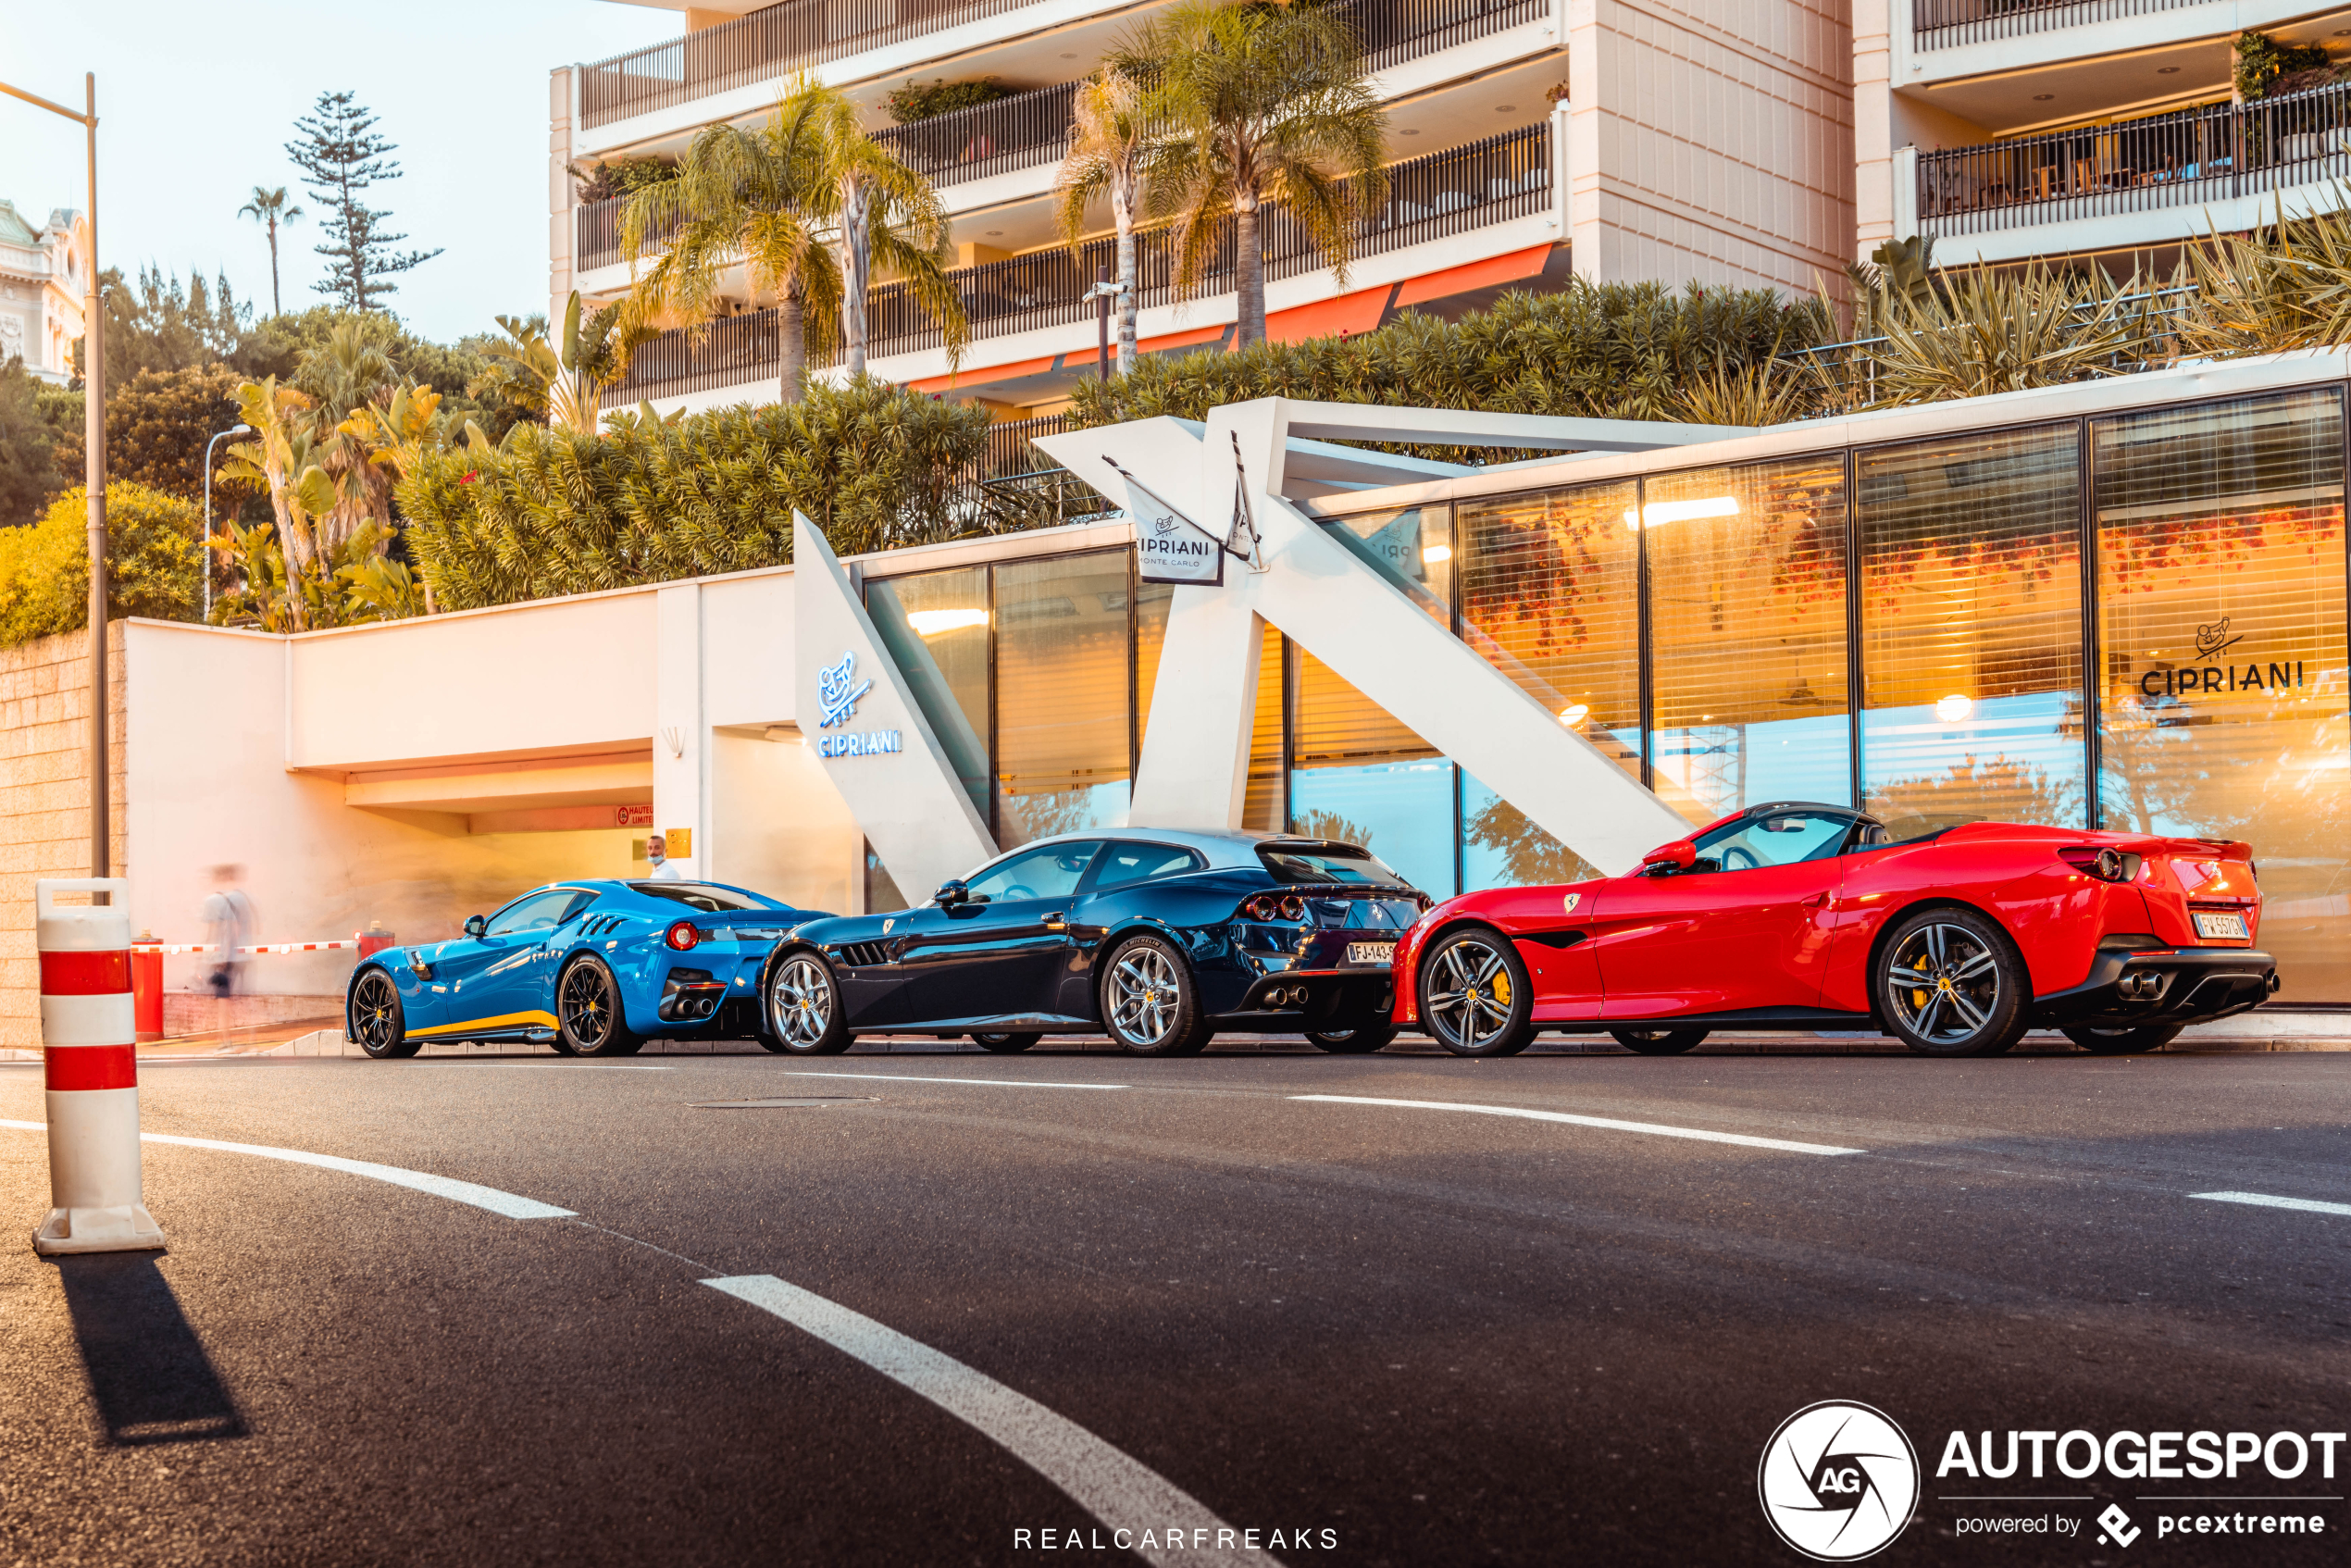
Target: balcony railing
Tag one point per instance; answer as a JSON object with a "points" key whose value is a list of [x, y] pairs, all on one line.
{"points": [[2173, 160], [1943, 24], [1450, 193], [1021, 132], [776, 41]]}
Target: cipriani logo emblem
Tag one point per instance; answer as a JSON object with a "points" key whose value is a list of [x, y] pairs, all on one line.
{"points": [[837, 690], [1839, 1481]]}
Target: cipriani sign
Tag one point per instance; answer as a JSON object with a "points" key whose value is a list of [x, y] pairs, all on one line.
{"points": [[837, 692]]}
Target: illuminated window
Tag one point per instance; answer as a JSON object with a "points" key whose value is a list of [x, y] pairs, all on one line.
{"points": [[1971, 593], [935, 624], [1153, 600], [1412, 549], [1062, 683], [1262, 807], [2221, 627], [1747, 636], [1359, 777], [1550, 594]]}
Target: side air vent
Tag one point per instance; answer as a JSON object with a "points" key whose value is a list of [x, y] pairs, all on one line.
{"points": [[863, 955]]}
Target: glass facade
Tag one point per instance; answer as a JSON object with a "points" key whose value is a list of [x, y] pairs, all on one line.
{"points": [[1747, 636], [2222, 708], [1970, 589], [1912, 626]]}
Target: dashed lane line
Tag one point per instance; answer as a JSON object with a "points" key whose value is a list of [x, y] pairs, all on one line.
{"points": [[1138, 1503], [512, 1205], [1134, 1500], [2264, 1200], [976, 1083], [1609, 1124]]}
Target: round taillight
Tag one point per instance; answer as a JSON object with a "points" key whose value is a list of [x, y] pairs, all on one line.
{"points": [[1259, 908], [682, 934], [1293, 909], [2109, 865]]}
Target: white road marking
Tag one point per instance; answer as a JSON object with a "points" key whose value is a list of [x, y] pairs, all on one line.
{"points": [[1114, 1488], [2263, 1199], [1606, 1122], [976, 1083], [507, 1203]]}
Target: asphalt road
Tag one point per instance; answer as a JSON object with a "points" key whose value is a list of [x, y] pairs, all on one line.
{"points": [[1393, 1333]]}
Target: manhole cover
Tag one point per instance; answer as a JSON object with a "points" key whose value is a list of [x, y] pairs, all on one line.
{"points": [[782, 1102]]}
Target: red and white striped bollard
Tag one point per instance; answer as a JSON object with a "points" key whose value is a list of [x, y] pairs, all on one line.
{"points": [[89, 1028]]}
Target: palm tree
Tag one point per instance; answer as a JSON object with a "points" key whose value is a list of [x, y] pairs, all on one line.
{"points": [[883, 212], [1108, 140], [269, 208], [1258, 103], [740, 196]]}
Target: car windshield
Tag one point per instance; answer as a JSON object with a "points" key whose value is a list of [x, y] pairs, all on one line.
{"points": [[1778, 839], [1049, 871], [539, 911], [702, 896], [1327, 863]]}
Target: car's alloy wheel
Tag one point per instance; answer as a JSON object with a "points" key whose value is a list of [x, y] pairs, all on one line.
{"points": [[2127, 1041], [1950, 984], [587, 1013], [1148, 1002], [1658, 1042], [377, 1020], [1352, 1042], [803, 1009], [1475, 996], [1005, 1044]]}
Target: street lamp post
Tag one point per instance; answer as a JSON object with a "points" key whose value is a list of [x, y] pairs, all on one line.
{"points": [[94, 392], [1101, 293], [217, 437]]}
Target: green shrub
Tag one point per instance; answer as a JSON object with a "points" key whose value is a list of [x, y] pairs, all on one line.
{"points": [[1619, 350], [553, 512], [152, 563], [917, 101]]}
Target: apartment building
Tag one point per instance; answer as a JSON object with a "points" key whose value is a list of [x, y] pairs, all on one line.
{"points": [[40, 284], [2012, 128], [1529, 141]]}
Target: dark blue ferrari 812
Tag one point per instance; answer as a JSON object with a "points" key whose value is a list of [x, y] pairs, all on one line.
{"points": [[1158, 937], [592, 968]]}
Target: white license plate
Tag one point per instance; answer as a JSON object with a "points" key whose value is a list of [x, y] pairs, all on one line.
{"points": [[1370, 953], [2221, 927]]}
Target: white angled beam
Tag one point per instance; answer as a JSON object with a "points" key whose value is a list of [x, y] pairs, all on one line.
{"points": [[1459, 426], [1196, 756]]}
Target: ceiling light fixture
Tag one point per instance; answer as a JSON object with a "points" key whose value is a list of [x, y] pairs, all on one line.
{"points": [[2043, 97], [931, 623], [1658, 512], [1504, 108], [1435, 552], [1957, 708], [2167, 70], [1408, 132]]}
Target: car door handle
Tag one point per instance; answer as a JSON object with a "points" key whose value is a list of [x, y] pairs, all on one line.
{"points": [[1054, 921], [1815, 901]]}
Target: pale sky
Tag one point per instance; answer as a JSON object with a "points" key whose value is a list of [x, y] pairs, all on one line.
{"points": [[196, 102]]}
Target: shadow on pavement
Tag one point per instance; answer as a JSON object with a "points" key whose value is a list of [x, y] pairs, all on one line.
{"points": [[148, 1371]]}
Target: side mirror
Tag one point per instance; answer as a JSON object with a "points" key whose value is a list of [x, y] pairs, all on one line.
{"points": [[477, 924], [1666, 859], [949, 894]]}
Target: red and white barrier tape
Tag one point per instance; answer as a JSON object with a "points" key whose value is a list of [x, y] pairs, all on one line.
{"points": [[265, 947]]}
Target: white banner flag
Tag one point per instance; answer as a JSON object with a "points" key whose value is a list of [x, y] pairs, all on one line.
{"points": [[1169, 547]]}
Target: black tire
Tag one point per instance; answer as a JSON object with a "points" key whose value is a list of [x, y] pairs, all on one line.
{"points": [[1150, 1006], [1949, 982], [801, 1002], [1659, 1042], [1475, 999], [589, 1018], [374, 1017], [1352, 1042], [2122, 1042], [1005, 1045]]}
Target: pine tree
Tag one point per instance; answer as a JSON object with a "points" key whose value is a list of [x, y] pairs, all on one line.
{"points": [[340, 158]]}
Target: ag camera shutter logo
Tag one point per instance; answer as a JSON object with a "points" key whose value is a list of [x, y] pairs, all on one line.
{"points": [[1839, 1481]]}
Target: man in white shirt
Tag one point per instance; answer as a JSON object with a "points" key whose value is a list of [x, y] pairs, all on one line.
{"points": [[657, 851]]}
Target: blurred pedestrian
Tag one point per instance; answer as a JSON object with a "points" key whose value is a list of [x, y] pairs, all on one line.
{"points": [[657, 851], [229, 926]]}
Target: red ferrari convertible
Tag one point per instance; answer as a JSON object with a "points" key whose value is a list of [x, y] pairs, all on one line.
{"points": [[1803, 917]]}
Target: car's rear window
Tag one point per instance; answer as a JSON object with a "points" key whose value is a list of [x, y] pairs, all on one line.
{"points": [[702, 896], [1327, 863]]}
